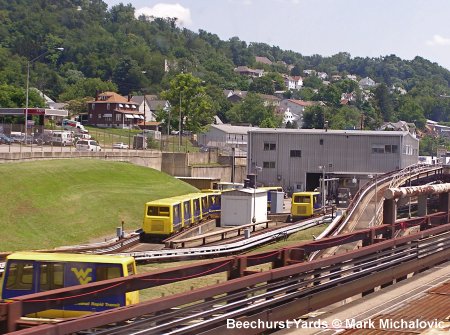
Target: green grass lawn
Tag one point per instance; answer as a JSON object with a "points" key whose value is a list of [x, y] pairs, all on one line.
{"points": [[62, 202]]}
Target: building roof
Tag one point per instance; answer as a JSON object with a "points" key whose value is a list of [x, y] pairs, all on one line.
{"points": [[330, 132], [303, 103], [111, 97], [157, 104], [264, 60], [228, 128]]}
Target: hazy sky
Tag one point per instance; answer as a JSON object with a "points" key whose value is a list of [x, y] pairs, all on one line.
{"points": [[371, 28]]}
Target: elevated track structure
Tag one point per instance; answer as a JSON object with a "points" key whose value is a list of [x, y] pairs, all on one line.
{"points": [[292, 287]]}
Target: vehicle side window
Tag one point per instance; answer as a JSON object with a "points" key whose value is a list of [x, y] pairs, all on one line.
{"points": [[20, 276], [108, 271], [51, 276], [176, 211], [130, 269]]}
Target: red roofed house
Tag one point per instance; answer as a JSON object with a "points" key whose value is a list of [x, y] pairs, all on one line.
{"points": [[110, 109]]}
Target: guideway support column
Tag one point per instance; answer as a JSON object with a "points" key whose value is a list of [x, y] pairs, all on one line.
{"points": [[390, 214], [422, 201]]}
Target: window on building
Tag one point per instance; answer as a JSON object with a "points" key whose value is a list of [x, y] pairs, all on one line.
{"points": [[268, 165], [108, 105], [93, 106], [407, 150], [90, 116], [377, 149], [321, 141], [391, 148], [296, 153], [118, 117], [269, 146]]}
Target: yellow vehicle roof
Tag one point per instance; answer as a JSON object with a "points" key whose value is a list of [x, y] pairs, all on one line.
{"points": [[305, 193], [66, 257], [164, 202]]}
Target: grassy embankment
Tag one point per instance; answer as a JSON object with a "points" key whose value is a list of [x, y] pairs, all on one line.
{"points": [[63, 202]]}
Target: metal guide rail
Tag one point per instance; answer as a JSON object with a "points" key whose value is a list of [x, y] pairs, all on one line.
{"points": [[247, 294], [169, 254], [226, 248]]}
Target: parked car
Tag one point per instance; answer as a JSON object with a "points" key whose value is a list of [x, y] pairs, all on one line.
{"points": [[88, 145], [120, 145], [5, 139], [17, 137]]}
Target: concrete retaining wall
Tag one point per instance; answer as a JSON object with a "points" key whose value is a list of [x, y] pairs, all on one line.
{"points": [[151, 159], [198, 164]]}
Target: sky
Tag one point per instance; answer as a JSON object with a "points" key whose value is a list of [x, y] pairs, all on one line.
{"points": [[364, 28]]}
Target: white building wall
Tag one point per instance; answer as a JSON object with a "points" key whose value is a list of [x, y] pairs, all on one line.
{"points": [[238, 207]]}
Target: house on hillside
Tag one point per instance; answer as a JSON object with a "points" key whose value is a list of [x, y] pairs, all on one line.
{"points": [[110, 109], [296, 107], [246, 71], [399, 126], [322, 75], [367, 83], [235, 95], [263, 60], [293, 82]]}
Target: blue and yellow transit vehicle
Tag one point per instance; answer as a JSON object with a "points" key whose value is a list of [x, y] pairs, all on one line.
{"points": [[165, 217], [305, 204], [34, 272]]}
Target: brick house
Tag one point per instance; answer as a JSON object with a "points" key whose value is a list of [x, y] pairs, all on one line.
{"points": [[110, 109]]}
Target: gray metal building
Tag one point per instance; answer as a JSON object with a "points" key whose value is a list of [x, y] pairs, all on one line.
{"points": [[298, 158]]}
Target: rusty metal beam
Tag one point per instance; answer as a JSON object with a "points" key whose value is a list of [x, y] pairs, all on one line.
{"points": [[412, 191], [301, 306], [53, 299], [129, 312]]}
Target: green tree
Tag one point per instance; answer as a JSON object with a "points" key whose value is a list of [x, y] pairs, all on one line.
{"points": [[330, 94], [253, 111], [86, 87], [264, 85], [78, 106], [346, 117], [190, 103], [411, 111], [314, 117], [313, 82], [384, 102]]}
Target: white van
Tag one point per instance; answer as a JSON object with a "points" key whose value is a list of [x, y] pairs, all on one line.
{"points": [[62, 138], [88, 145]]}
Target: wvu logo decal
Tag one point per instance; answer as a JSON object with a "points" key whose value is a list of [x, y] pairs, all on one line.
{"points": [[83, 276]]}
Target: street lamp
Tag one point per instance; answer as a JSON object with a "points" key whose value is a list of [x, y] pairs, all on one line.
{"points": [[257, 169], [179, 125], [322, 186], [28, 87]]}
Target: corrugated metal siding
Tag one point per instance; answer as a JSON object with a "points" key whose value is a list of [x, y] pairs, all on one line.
{"points": [[346, 152]]}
